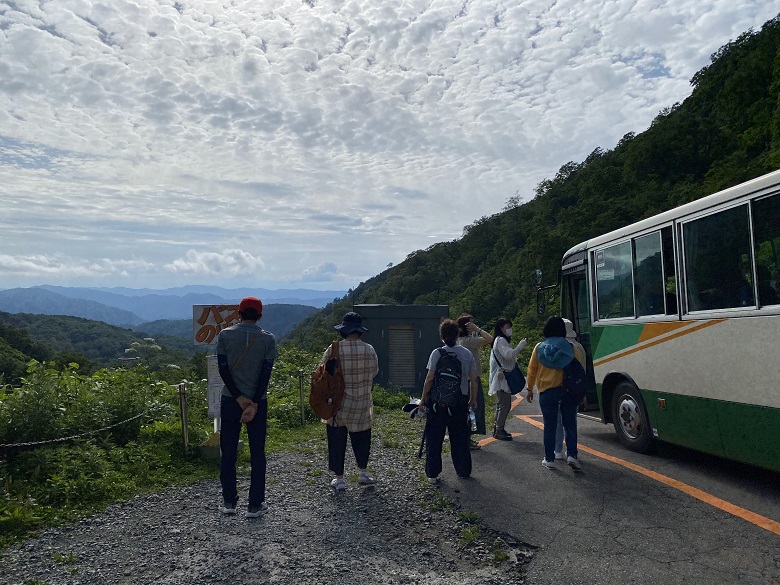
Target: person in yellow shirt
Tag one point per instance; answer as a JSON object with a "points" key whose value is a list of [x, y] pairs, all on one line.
{"points": [[545, 375]]}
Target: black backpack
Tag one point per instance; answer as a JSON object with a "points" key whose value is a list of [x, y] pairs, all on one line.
{"points": [[574, 380], [446, 383]]}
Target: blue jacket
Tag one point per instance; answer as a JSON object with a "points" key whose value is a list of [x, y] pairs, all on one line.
{"points": [[554, 352]]}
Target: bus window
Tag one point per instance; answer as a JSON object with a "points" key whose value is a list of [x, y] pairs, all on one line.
{"points": [[670, 280], [766, 229], [614, 289], [648, 275], [718, 266]]}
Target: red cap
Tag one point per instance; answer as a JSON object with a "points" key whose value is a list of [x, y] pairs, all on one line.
{"points": [[251, 303]]}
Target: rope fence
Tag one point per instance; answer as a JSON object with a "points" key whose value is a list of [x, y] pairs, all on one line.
{"points": [[7, 446]]}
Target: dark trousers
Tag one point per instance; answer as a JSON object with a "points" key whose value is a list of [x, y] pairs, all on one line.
{"points": [[454, 421], [550, 401], [337, 447], [480, 412], [230, 413]]}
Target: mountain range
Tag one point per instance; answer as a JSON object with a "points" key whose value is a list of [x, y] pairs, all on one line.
{"points": [[132, 307]]}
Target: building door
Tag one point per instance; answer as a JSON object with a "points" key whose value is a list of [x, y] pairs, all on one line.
{"points": [[401, 372]]}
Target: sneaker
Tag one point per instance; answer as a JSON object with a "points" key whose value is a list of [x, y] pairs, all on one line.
{"points": [[559, 455], [548, 464], [228, 508], [502, 435], [255, 511], [366, 479], [433, 480], [474, 445], [338, 484], [573, 463]]}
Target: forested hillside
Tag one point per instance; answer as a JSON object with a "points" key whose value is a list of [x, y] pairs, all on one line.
{"points": [[726, 132], [91, 344]]}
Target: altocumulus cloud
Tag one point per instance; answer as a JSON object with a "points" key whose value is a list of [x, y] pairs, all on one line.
{"points": [[300, 128]]}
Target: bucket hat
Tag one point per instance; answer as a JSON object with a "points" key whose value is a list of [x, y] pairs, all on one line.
{"points": [[351, 323]]}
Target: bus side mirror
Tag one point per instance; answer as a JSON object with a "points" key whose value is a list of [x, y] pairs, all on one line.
{"points": [[540, 304], [538, 277]]}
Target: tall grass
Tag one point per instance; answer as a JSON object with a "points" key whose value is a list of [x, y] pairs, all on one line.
{"points": [[130, 436]]}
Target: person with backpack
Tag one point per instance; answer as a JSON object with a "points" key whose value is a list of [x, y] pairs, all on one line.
{"points": [[245, 358], [546, 375], [359, 365], [503, 359], [473, 338], [571, 337], [449, 389]]}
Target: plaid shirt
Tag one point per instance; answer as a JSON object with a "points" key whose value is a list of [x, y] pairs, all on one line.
{"points": [[360, 366]]}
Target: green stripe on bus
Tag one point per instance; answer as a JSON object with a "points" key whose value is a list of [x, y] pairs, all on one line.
{"points": [[743, 432], [608, 340]]}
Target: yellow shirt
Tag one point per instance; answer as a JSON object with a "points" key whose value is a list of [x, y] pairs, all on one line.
{"points": [[545, 378]]}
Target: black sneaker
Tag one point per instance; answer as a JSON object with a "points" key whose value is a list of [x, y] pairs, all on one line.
{"points": [[502, 435], [256, 511]]}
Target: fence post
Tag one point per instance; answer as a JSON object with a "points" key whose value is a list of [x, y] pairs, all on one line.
{"points": [[183, 408], [303, 413]]}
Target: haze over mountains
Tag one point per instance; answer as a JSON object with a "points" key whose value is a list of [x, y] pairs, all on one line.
{"points": [[131, 307]]}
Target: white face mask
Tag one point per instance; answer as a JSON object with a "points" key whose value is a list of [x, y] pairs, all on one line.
{"points": [[508, 331]]}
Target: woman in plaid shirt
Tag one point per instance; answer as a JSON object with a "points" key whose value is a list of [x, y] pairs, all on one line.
{"points": [[360, 366]]}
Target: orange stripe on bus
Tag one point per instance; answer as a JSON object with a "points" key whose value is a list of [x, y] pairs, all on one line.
{"points": [[635, 349], [655, 329], [733, 509]]}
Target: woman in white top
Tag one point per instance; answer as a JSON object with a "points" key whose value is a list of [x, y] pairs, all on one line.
{"points": [[503, 357]]}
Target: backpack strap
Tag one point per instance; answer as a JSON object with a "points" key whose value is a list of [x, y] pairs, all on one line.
{"points": [[246, 349]]}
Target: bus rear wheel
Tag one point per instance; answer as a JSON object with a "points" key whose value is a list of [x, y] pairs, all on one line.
{"points": [[630, 418]]}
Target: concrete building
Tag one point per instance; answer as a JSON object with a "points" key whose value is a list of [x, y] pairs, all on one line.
{"points": [[404, 337]]}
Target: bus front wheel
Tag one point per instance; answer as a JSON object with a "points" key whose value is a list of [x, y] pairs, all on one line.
{"points": [[630, 418]]}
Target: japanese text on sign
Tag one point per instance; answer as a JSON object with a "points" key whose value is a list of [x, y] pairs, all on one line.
{"points": [[208, 320]]}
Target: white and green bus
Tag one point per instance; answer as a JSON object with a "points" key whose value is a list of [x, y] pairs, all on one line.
{"points": [[680, 317]]}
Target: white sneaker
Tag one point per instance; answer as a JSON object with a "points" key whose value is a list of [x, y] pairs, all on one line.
{"points": [[366, 479], [548, 464], [433, 480], [559, 455], [227, 508], [338, 484], [573, 463]]}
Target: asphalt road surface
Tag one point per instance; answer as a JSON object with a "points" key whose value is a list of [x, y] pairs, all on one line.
{"points": [[677, 516]]}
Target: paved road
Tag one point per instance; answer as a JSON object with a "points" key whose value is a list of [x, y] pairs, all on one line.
{"points": [[674, 517]]}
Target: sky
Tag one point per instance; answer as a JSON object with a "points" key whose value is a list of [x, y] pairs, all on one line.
{"points": [[310, 143]]}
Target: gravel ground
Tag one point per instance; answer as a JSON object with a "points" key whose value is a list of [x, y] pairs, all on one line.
{"points": [[401, 530]]}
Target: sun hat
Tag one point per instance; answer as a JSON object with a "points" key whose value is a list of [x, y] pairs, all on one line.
{"points": [[351, 323], [251, 307], [570, 333]]}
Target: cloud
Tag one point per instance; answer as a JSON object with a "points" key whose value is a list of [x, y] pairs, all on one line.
{"points": [[155, 131], [227, 263]]}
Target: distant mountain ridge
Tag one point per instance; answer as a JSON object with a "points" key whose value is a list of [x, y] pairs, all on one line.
{"points": [[131, 307]]}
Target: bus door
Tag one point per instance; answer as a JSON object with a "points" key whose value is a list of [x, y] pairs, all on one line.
{"points": [[575, 308]]}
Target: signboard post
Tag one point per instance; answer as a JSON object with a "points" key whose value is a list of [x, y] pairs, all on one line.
{"points": [[207, 322]]}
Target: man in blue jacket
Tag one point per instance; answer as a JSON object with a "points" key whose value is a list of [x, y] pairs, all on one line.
{"points": [[245, 355]]}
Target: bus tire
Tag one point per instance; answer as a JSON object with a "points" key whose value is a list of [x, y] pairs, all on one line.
{"points": [[629, 416]]}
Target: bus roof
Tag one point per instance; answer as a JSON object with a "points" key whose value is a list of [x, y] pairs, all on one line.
{"points": [[764, 182]]}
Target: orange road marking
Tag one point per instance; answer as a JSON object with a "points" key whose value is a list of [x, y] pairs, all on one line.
{"points": [[752, 517], [516, 400]]}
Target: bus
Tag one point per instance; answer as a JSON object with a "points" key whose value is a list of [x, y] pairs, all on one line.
{"points": [[680, 318]]}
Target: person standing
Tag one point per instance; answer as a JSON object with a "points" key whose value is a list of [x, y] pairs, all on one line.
{"points": [[579, 352], [503, 358], [245, 357], [360, 365], [473, 338], [453, 419], [545, 373]]}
